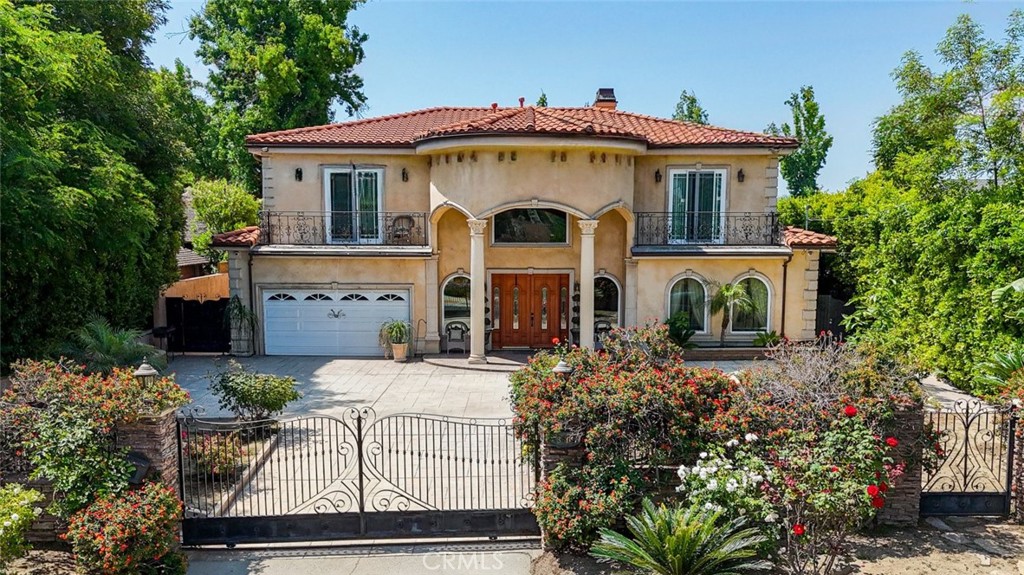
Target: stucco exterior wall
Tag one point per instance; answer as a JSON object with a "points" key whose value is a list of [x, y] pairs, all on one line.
{"points": [[271, 272], [610, 248], [588, 179], [803, 294], [756, 193], [281, 191], [657, 277]]}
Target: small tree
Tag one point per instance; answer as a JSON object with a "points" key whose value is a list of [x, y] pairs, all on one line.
{"points": [[729, 298], [223, 207], [688, 109], [542, 101], [800, 169]]}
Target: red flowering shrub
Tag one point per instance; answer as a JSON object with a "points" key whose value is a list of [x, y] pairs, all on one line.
{"points": [[634, 403], [131, 533]]}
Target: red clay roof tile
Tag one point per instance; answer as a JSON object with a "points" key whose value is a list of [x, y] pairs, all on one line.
{"points": [[405, 130], [800, 238], [245, 237]]}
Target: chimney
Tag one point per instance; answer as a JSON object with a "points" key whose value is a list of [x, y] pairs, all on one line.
{"points": [[605, 99]]}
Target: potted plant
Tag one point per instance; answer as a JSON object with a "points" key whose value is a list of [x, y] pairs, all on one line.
{"points": [[394, 338]]}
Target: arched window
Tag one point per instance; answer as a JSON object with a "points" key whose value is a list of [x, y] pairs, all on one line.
{"points": [[754, 318], [689, 297], [606, 301], [455, 301]]}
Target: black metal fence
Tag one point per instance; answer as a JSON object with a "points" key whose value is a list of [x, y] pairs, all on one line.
{"points": [[974, 478], [344, 228], [707, 228], [322, 478]]}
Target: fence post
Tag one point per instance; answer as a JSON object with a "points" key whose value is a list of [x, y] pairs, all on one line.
{"points": [[1016, 463], [156, 438], [903, 501]]}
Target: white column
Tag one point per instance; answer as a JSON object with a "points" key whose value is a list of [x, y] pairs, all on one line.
{"points": [[477, 279], [629, 317], [587, 228], [432, 343]]}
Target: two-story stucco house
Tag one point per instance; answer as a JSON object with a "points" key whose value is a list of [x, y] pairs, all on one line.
{"points": [[518, 225]]}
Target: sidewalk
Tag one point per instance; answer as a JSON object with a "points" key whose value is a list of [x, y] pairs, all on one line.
{"points": [[497, 558]]}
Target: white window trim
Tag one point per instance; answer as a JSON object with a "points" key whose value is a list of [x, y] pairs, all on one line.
{"points": [[723, 203], [327, 172], [618, 287], [568, 231], [707, 301], [768, 312]]}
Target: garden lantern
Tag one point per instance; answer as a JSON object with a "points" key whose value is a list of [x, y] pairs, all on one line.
{"points": [[562, 370], [146, 374]]}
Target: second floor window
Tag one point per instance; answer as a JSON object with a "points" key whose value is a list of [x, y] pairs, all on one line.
{"points": [[354, 201], [696, 203]]}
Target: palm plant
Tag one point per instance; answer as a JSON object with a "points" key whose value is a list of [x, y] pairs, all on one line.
{"points": [[683, 541], [996, 372], [728, 299], [101, 347]]}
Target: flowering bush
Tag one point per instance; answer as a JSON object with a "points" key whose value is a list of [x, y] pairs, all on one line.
{"points": [[17, 511], [213, 454], [117, 398], [65, 424], [632, 404], [808, 491], [574, 504], [131, 533], [252, 395]]}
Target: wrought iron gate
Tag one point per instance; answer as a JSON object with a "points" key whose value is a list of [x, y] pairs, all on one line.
{"points": [[322, 478], [975, 476]]}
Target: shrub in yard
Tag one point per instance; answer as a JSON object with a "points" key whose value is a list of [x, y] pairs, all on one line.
{"points": [[214, 455], [253, 396], [804, 384], [130, 533], [65, 423], [806, 492], [573, 504], [683, 541], [100, 348], [17, 511]]}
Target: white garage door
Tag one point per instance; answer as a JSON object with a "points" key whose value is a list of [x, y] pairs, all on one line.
{"points": [[327, 322]]}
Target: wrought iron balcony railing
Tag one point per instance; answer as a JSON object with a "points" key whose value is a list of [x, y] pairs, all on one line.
{"points": [[344, 228], [707, 228]]}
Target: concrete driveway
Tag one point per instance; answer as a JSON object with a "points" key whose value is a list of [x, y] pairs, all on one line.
{"points": [[330, 386]]}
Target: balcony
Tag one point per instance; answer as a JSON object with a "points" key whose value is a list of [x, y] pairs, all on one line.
{"points": [[682, 231], [344, 228]]}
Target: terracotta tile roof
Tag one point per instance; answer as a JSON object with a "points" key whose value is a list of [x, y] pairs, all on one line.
{"points": [[405, 130], [245, 237], [800, 238], [187, 257]]}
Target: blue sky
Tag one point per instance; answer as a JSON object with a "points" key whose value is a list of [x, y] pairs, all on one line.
{"points": [[742, 59]]}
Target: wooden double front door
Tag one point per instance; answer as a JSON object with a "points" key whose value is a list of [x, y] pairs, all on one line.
{"points": [[529, 310]]}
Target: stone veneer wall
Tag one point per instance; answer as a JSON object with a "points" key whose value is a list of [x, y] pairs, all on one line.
{"points": [[903, 501], [155, 437]]}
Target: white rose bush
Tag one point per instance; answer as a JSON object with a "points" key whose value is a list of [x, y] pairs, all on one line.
{"points": [[18, 508]]}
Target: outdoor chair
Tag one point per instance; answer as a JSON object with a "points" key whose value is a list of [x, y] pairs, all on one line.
{"points": [[602, 328], [456, 336]]}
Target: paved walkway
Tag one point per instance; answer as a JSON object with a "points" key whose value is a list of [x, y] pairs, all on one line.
{"points": [[330, 386], [470, 559]]}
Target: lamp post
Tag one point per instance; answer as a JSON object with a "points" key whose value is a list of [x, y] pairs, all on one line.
{"points": [[562, 370], [146, 374]]}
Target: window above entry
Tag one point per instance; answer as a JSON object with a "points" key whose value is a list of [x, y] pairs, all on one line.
{"points": [[531, 226]]}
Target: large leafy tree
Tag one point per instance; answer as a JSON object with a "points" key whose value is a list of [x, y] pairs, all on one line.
{"points": [[176, 96], [91, 208], [688, 109], [801, 168], [276, 65], [928, 237]]}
